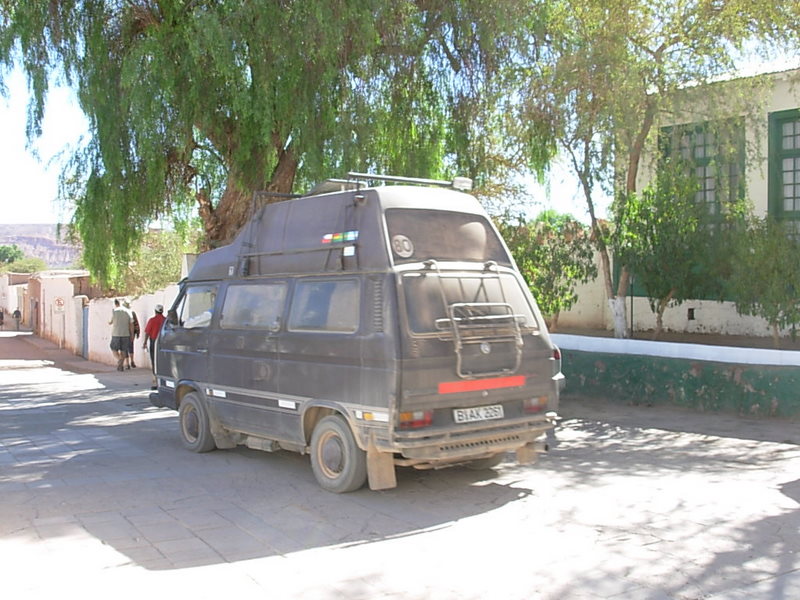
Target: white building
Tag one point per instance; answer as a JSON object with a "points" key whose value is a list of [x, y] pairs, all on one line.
{"points": [[763, 162]]}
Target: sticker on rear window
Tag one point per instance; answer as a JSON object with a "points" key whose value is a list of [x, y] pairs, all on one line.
{"points": [[402, 246]]}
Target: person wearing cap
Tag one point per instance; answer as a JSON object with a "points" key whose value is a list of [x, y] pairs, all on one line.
{"points": [[151, 331]]}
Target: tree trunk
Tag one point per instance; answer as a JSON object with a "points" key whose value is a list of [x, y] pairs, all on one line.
{"points": [[223, 222], [662, 306], [617, 306], [553, 323], [232, 212], [282, 179], [621, 327], [776, 338]]}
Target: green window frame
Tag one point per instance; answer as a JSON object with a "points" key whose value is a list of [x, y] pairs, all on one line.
{"points": [[713, 152], [784, 167]]}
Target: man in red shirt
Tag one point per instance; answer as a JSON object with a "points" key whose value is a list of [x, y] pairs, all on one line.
{"points": [[151, 331]]}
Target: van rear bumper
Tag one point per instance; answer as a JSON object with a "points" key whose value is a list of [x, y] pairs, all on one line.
{"points": [[456, 443]]}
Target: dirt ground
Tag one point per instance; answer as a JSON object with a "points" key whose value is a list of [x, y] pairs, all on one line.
{"points": [[786, 343]]}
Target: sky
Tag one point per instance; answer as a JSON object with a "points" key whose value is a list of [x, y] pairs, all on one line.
{"points": [[29, 175]]}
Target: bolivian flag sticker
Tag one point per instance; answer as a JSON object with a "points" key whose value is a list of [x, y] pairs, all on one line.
{"points": [[338, 238]]}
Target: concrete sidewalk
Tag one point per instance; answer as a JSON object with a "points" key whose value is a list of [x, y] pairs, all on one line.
{"points": [[22, 349]]}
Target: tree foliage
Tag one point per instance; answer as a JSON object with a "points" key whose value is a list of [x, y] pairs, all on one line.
{"points": [[765, 278], [29, 264], [611, 71], [13, 260], [157, 262], [554, 252], [10, 254], [200, 103], [669, 240]]}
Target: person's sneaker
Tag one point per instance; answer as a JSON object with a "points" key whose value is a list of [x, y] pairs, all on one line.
{"points": [[133, 365]]}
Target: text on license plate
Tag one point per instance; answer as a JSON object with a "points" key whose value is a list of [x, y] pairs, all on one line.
{"points": [[478, 413]]}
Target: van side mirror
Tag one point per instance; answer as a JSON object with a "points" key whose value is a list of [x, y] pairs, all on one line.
{"points": [[172, 317]]}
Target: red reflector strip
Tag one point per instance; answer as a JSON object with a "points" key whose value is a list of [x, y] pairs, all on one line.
{"points": [[474, 385]]}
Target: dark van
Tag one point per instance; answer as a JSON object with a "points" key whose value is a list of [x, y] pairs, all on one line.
{"points": [[368, 327]]}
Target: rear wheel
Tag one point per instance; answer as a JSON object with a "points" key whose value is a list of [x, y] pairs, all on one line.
{"points": [[339, 465], [194, 424]]}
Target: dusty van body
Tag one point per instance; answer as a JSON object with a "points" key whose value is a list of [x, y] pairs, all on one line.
{"points": [[369, 328]]}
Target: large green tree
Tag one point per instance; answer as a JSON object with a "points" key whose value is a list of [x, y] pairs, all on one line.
{"points": [[201, 102], [613, 72]]}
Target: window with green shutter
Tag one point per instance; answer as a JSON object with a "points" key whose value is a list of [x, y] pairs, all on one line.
{"points": [[784, 167], [712, 153]]}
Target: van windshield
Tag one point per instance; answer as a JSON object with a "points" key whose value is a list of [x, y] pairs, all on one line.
{"points": [[417, 235], [433, 299]]}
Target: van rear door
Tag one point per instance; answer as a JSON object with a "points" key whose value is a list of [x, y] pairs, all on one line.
{"points": [[474, 348]]}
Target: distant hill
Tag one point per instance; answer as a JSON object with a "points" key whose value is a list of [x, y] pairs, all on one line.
{"points": [[40, 241]]}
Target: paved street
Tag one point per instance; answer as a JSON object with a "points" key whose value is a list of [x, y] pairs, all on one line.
{"points": [[98, 499]]}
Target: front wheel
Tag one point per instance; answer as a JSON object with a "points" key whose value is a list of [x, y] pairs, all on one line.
{"points": [[339, 465], [194, 424]]}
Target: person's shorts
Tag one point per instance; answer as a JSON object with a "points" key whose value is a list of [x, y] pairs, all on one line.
{"points": [[120, 344]]}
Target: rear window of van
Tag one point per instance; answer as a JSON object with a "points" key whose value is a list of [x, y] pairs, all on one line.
{"points": [[417, 235]]}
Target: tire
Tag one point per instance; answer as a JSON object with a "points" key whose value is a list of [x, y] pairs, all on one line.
{"points": [[194, 424], [483, 464], [339, 465]]}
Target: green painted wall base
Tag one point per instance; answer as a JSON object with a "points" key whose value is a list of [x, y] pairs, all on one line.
{"points": [[707, 386]]}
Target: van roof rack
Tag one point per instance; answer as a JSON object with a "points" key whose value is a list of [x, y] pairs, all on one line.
{"points": [[356, 180], [333, 185], [463, 184]]}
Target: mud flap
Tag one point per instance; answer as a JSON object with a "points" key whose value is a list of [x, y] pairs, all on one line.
{"points": [[380, 468], [222, 438], [528, 453]]}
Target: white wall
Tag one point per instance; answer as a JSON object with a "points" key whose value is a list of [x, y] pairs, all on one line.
{"points": [[11, 293], [100, 311], [591, 310], [61, 316]]}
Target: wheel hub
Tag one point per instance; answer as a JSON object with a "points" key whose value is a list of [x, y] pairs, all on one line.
{"points": [[332, 455]]}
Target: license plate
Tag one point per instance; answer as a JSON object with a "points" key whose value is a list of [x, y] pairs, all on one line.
{"points": [[478, 413]]}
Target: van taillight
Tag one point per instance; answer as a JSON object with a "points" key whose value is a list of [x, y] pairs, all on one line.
{"points": [[418, 418], [534, 405], [556, 353]]}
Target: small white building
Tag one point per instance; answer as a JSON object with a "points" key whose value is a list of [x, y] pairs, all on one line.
{"points": [[12, 292]]}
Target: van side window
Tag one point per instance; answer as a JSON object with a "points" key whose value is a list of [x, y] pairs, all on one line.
{"points": [[197, 305], [325, 306], [258, 305]]}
